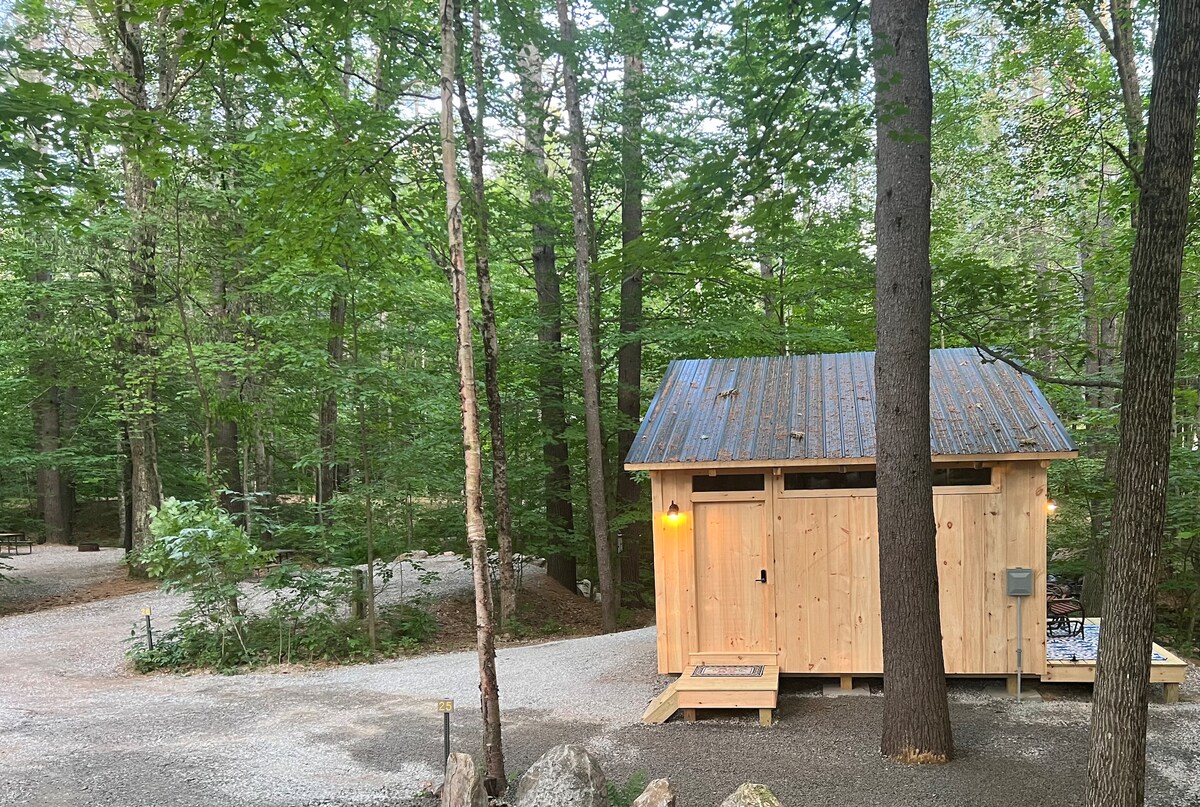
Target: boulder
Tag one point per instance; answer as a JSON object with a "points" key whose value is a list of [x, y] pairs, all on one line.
{"points": [[449, 553], [539, 562], [464, 784], [419, 554], [584, 587], [659, 793], [565, 776], [752, 795]]}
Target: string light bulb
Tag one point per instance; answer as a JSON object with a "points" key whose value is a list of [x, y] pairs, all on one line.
{"points": [[1051, 506]]}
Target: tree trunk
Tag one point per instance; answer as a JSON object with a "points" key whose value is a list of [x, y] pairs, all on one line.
{"points": [[227, 466], [141, 388], [1117, 752], [125, 489], [560, 518], [122, 37], [476, 146], [916, 717], [587, 345], [473, 488], [52, 498], [629, 356], [327, 473]]}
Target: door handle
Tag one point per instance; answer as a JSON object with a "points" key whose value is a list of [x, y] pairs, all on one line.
{"points": [[762, 576]]}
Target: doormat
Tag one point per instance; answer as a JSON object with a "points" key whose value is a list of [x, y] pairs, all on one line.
{"points": [[728, 671]]}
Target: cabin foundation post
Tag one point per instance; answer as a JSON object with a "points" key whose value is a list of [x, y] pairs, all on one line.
{"points": [[847, 682], [1171, 693], [766, 717], [689, 715], [1012, 683]]}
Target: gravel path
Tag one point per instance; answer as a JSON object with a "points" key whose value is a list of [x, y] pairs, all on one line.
{"points": [[76, 729], [52, 571]]}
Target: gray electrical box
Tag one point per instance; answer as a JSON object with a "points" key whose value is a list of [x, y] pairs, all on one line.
{"points": [[1019, 582]]}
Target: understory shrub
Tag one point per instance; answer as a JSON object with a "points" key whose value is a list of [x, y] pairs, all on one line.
{"points": [[198, 550], [269, 640]]}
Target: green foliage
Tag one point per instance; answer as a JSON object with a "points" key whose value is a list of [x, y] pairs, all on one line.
{"points": [[623, 795], [297, 164], [199, 551], [276, 639]]}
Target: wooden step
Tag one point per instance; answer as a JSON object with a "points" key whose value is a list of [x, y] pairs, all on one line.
{"points": [[662, 707], [690, 692]]}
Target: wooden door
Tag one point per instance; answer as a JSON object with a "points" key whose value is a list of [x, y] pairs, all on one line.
{"points": [[734, 604]]}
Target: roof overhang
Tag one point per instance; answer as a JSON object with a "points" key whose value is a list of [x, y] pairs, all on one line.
{"points": [[1021, 456]]}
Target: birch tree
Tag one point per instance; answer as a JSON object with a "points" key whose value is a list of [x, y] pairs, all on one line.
{"points": [[472, 455]]}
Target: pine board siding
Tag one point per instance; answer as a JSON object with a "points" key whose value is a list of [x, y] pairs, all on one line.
{"points": [[820, 549]]}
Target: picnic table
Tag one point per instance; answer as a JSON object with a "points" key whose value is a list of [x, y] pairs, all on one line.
{"points": [[14, 541]]}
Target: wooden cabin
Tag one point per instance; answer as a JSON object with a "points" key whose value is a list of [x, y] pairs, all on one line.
{"points": [[765, 539]]}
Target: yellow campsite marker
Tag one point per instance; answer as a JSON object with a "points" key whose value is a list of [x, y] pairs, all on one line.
{"points": [[445, 707]]}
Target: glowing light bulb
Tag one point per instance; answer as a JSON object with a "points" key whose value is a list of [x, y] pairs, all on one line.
{"points": [[673, 514], [1051, 506]]}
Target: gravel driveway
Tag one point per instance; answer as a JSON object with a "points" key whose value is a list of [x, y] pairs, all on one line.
{"points": [[76, 728]]}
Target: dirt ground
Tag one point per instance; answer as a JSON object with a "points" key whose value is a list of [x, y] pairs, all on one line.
{"points": [[77, 728]]}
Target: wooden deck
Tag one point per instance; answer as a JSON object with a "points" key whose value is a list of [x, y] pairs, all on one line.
{"points": [[1166, 668], [690, 692]]}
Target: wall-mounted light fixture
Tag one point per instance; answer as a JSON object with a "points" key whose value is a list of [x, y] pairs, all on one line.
{"points": [[1051, 507], [673, 514]]}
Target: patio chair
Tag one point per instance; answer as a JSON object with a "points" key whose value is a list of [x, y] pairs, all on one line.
{"points": [[1065, 615]]}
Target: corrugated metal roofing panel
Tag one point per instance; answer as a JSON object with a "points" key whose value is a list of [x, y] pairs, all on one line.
{"points": [[822, 407]]}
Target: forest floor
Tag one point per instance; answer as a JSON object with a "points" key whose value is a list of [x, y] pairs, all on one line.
{"points": [[78, 728]]}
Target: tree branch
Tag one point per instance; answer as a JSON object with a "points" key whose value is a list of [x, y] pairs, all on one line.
{"points": [[987, 355]]}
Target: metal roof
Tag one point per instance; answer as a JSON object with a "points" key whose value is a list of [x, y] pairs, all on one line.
{"points": [[792, 409]]}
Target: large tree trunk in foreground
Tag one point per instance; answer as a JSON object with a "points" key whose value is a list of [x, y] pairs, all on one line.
{"points": [[916, 717], [472, 455], [560, 517], [629, 356], [1117, 753], [587, 344], [473, 128]]}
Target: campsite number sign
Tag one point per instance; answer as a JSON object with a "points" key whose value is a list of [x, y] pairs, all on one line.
{"points": [[445, 707]]}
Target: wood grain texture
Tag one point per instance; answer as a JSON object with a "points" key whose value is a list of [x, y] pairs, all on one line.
{"points": [[823, 601]]}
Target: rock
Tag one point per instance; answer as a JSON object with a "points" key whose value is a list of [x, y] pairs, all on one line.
{"points": [[539, 562], [584, 587], [463, 786], [659, 793], [565, 776], [418, 554], [403, 556], [448, 554], [752, 795]]}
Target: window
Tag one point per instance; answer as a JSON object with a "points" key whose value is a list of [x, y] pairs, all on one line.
{"points": [[727, 482], [829, 480], [955, 477]]}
